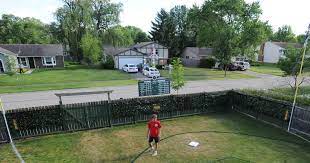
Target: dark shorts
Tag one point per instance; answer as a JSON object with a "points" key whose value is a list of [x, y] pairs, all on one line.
{"points": [[151, 139]]}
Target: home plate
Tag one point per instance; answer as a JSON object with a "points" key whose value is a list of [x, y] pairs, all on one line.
{"points": [[193, 144]]}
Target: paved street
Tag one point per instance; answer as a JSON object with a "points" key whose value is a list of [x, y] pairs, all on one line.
{"points": [[30, 99]]}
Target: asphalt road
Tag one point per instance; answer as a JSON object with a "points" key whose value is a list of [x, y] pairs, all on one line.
{"points": [[43, 98]]}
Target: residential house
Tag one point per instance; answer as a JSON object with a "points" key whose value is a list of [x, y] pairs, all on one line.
{"points": [[138, 54], [191, 56], [5, 56], [271, 52], [197, 53], [37, 55]]}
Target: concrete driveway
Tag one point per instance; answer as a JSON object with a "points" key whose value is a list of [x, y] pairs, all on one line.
{"points": [[30, 99]]}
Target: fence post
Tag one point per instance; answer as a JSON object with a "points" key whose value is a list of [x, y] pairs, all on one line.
{"points": [[110, 114]]}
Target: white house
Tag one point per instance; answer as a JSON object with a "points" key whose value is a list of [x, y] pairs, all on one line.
{"points": [[138, 54], [271, 52]]}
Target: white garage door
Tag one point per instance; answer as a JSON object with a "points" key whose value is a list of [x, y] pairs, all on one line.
{"points": [[129, 60]]}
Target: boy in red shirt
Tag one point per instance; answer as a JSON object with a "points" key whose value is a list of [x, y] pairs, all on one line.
{"points": [[153, 133]]}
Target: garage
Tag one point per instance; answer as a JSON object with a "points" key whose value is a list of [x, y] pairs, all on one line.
{"points": [[128, 56], [129, 60]]}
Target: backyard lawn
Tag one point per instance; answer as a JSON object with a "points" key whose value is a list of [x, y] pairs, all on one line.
{"points": [[122, 144], [271, 69], [63, 79], [208, 74]]}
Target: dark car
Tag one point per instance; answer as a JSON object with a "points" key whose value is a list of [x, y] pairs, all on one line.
{"points": [[230, 67]]}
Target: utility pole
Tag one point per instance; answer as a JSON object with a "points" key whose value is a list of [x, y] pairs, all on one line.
{"points": [[300, 72]]}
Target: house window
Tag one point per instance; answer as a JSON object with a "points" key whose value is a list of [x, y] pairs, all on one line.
{"points": [[49, 61], [156, 51], [187, 57], [23, 62]]}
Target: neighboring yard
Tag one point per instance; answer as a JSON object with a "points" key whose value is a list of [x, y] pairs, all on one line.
{"points": [[271, 69], [285, 94], [83, 77], [208, 74], [63, 79], [121, 144]]}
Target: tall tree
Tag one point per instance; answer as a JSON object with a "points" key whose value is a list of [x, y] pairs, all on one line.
{"points": [[231, 27], [170, 29], [77, 17], [284, 34], [106, 14]]}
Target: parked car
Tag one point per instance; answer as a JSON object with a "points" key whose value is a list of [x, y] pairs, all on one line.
{"points": [[151, 72], [130, 68], [230, 67], [237, 65], [242, 65]]}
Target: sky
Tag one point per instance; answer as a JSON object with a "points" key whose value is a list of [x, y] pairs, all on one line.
{"points": [[140, 13]]}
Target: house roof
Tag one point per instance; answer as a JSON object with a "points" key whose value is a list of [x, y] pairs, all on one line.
{"points": [[110, 50], [4, 51], [200, 51], [142, 44], [34, 50], [287, 44]]}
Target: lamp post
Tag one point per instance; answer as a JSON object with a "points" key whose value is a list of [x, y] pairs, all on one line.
{"points": [[300, 71]]}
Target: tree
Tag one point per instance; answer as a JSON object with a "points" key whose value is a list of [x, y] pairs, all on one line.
{"points": [[108, 63], [106, 14], [124, 36], [284, 34], [231, 27], [91, 49], [77, 17], [301, 38], [10, 65], [177, 75], [170, 29], [290, 63], [16, 30], [118, 36]]}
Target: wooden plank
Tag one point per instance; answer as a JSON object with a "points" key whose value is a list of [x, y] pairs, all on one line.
{"points": [[82, 93]]}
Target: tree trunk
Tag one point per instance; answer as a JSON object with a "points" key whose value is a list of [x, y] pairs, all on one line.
{"points": [[225, 69]]}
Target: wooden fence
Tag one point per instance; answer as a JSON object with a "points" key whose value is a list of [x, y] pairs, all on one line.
{"points": [[30, 122], [36, 121]]}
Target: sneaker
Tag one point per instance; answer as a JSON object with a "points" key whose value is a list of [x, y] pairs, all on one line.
{"points": [[150, 150], [155, 153]]}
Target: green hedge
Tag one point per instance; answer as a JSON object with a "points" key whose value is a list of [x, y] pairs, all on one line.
{"points": [[267, 109]]}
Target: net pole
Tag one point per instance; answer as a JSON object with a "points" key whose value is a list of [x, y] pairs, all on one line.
{"points": [[300, 73], [9, 134]]}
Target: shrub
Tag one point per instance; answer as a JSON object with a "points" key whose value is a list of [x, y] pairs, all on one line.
{"points": [[108, 63], [159, 67], [207, 63]]}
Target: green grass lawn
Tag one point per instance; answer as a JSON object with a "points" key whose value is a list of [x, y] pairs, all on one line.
{"points": [[271, 69], [121, 144], [208, 74], [63, 79]]}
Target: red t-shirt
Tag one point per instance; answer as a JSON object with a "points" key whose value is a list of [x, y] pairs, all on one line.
{"points": [[154, 126]]}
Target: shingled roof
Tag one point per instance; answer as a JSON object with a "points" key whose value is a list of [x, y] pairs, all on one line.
{"points": [[34, 50], [110, 50], [287, 44], [4, 51]]}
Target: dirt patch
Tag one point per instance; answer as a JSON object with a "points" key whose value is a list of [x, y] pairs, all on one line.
{"points": [[88, 146]]}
